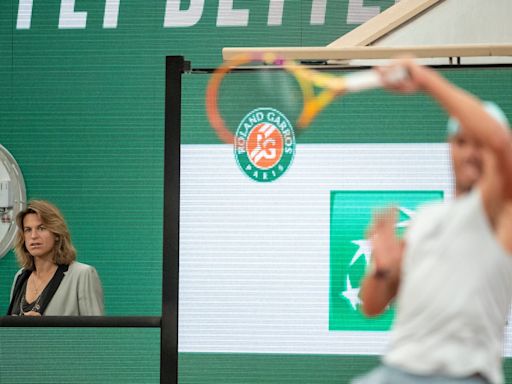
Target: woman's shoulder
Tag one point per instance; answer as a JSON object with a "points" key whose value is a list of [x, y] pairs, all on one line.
{"points": [[79, 268], [19, 272], [17, 276]]}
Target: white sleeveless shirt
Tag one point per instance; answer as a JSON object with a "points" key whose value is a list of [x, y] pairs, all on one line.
{"points": [[455, 294]]}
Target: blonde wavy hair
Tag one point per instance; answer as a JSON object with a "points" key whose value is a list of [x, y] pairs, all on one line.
{"points": [[63, 252]]}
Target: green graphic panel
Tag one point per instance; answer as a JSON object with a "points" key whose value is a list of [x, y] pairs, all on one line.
{"points": [[350, 252], [375, 116], [228, 368], [72, 355], [203, 368]]}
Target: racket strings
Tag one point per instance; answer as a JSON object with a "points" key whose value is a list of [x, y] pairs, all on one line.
{"points": [[212, 92], [313, 103], [318, 90]]}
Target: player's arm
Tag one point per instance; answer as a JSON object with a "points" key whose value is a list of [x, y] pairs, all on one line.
{"points": [[380, 285], [477, 121], [471, 114]]}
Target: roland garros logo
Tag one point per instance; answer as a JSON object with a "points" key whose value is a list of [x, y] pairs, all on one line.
{"points": [[264, 144]]}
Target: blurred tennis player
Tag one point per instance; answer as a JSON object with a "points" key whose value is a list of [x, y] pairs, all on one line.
{"points": [[451, 276]]}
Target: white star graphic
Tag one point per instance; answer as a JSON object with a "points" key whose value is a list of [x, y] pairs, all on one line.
{"points": [[409, 213], [351, 294], [365, 249]]}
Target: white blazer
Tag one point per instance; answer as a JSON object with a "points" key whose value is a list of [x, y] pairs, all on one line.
{"points": [[79, 293]]}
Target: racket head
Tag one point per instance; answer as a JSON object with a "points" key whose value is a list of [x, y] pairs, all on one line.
{"points": [[294, 89]]}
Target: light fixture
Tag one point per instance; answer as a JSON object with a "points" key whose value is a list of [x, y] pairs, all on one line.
{"points": [[12, 199]]}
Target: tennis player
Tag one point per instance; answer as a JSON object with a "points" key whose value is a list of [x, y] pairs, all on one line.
{"points": [[451, 275]]}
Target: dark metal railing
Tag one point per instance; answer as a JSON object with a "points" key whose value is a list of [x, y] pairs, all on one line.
{"points": [[82, 321]]}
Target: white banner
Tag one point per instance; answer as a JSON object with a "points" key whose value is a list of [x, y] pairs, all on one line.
{"points": [[255, 257]]}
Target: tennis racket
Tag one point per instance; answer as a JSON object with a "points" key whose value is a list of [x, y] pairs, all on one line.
{"points": [[311, 90]]}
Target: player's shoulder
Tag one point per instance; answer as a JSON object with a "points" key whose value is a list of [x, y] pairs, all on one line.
{"points": [[432, 209], [427, 215]]}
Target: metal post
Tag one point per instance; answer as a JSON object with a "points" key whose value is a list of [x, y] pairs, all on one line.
{"points": [[174, 68]]}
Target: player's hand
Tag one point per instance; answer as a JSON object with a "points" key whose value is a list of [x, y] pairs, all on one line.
{"points": [[386, 247], [412, 76]]}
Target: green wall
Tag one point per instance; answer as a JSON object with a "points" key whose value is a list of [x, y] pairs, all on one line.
{"points": [[366, 117], [82, 111]]}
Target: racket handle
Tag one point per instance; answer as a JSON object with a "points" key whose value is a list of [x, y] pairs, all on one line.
{"points": [[371, 79]]}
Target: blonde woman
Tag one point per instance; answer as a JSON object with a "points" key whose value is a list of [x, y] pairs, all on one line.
{"points": [[51, 281]]}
